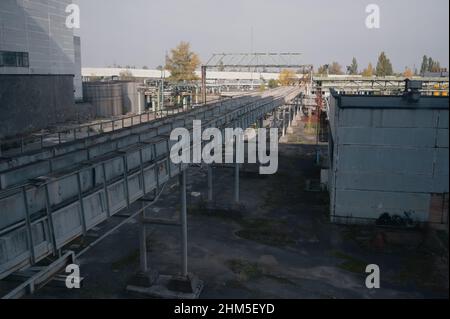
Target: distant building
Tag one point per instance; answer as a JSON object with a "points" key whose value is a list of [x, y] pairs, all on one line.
{"points": [[440, 74], [388, 154], [40, 65]]}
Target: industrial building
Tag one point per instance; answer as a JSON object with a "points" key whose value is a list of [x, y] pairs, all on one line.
{"points": [[216, 81], [388, 155], [40, 65]]}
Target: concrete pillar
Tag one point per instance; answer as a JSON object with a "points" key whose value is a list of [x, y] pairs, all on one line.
{"points": [[236, 183], [141, 102], [284, 122], [183, 219], [143, 242], [210, 184], [185, 105], [261, 123]]}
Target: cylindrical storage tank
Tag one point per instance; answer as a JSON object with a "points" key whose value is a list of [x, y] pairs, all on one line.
{"points": [[106, 97]]}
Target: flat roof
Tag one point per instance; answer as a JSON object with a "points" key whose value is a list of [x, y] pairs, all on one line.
{"points": [[390, 101]]}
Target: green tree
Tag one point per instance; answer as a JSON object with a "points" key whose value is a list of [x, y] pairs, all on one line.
{"points": [[221, 67], [262, 87], [384, 66], [436, 67], [424, 67], [273, 84], [430, 64], [182, 63], [353, 68]]}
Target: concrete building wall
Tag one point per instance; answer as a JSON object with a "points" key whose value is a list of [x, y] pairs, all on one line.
{"points": [[387, 156], [32, 102], [37, 27], [41, 94]]}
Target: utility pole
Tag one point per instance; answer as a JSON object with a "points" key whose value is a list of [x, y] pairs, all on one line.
{"points": [[204, 83]]}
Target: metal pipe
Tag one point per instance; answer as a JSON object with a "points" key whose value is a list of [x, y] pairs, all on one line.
{"points": [[204, 83]]}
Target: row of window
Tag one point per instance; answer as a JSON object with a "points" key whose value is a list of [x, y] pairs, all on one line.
{"points": [[14, 59]]}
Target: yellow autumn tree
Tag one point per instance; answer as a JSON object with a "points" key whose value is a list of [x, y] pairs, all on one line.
{"points": [[287, 77], [408, 73], [182, 63], [368, 72]]}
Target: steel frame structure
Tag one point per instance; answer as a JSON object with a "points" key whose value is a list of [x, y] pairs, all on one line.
{"points": [[352, 84], [48, 212], [254, 62]]}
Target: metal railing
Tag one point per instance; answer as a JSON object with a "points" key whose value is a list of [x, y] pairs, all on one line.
{"points": [[36, 142]]}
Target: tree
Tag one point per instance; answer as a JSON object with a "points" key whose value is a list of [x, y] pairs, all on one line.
{"points": [[273, 84], [126, 75], [430, 64], [384, 66], [353, 68], [408, 73], [182, 63], [424, 67], [95, 78], [435, 67], [287, 77], [335, 68], [262, 87], [368, 72], [323, 69], [221, 67]]}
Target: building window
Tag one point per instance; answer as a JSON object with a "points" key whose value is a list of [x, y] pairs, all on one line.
{"points": [[14, 59]]}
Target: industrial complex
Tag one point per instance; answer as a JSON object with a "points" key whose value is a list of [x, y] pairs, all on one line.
{"points": [[88, 180]]}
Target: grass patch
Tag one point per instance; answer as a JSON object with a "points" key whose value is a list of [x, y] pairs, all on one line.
{"points": [[246, 270], [132, 258], [266, 231], [350, 263]]}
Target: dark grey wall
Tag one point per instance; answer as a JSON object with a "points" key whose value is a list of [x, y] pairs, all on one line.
{"points": [[33, 102]]}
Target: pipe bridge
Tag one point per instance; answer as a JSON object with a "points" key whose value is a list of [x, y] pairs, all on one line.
{"points": [[51, 196]]}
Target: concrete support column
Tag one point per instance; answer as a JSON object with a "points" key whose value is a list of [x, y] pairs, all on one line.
{"points": [[236, 183], [183, 219], [261, 123], [290, 116], [284, 122], [141, 102], [210, 184], [143, 243]]}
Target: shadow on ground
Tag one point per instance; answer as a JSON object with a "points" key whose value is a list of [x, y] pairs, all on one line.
{"points": [[279, 244]]}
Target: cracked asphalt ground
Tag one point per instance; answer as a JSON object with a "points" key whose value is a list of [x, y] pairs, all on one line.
{"points": [[280, 244]]}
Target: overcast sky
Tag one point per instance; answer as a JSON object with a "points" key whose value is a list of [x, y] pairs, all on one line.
{"points": [[139, 32]]}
